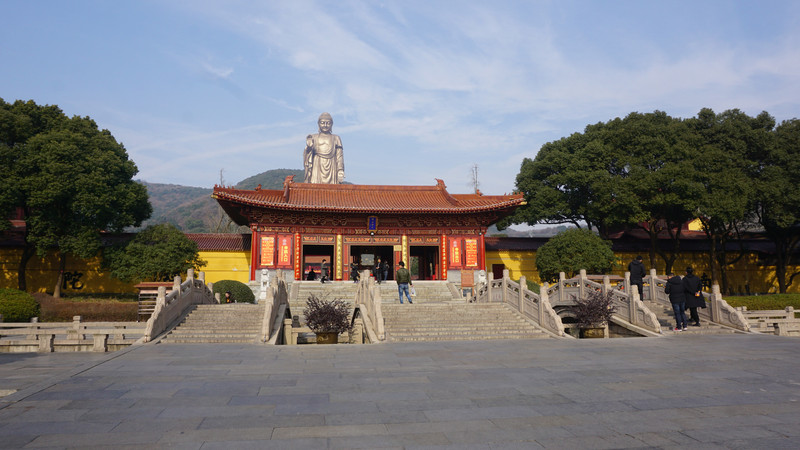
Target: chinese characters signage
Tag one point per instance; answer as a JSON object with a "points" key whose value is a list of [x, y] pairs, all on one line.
{"points": [[455, 252], [284, 250], [267, 250], [471, 250]]}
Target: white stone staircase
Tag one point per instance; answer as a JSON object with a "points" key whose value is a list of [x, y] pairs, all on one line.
{"points": [[667, 320], [427, 291], [228, 323], [456, 321]]}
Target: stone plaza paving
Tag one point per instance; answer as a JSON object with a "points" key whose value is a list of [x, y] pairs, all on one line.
{"points": [[678, 391]]}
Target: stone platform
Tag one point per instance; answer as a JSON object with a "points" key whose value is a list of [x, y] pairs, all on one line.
{"points": [[696, 391]]}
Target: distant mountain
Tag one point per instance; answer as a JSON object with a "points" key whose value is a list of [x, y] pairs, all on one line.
{"points": [[271, 179], [192, 209]]}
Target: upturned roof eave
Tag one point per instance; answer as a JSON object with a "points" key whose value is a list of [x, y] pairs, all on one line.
{"points": [[371, 210]]}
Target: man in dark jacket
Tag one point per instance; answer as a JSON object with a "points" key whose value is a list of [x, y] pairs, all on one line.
{"points": [[377, 271], [693, 289], [677, 297], [636, 269]]}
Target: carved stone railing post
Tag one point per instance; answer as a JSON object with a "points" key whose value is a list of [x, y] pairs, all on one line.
{"points": [[505, 286], [100, 342], [74, 332], [716, 307], [582, 284], [562, 295], [544, 299], [176, 284], [652, 290], [523, 283], [190, 274], [627, 283], [633, 299], [202, 277], [489, 287], [46, 343]]}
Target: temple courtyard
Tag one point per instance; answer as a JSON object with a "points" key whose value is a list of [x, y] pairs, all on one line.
{"points": [[688, 391]]}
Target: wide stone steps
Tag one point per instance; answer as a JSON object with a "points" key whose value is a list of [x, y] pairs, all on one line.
{"points": [[449, 321], [427, 292], [214, 324], [666, 318]]}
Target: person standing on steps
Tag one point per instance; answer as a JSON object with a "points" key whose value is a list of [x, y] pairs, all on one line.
{"points": [[384, 270], [693, 289], [677, 297], [403, 277], [376, 271], [636, 269], [323, 271]]}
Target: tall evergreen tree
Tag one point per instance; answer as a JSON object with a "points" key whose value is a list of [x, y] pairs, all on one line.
{"points": [[71, 180]]}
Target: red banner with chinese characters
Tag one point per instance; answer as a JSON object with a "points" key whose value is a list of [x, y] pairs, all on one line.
{"points": [[284, 250], [455, 252], [471, 251], [267, 251]]}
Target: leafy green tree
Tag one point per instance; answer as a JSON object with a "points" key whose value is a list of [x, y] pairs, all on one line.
{"points": [[777, 204], [627, 173], [573, 250], [71, 180], [658, 179], [728, 144], [567, 182], [157, 253]]}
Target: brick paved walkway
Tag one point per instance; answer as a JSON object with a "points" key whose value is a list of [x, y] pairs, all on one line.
{"points": [[739, 391]]}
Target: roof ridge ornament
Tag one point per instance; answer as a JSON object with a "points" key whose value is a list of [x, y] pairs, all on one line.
{"points": [[288, 181]]}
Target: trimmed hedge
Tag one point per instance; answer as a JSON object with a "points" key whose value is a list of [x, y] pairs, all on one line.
{"points": [[17, 306], [239, 291], [766, 301]]}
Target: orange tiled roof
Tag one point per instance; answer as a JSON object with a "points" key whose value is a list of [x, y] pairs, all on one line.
{"points": [[366, 198], [220, 241]]}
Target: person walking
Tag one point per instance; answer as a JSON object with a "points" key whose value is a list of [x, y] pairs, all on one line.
{"points": [[376, 271], [693, 290], [384, 270], [636, 269], [403, 277], [677, 297], [323, 271]]}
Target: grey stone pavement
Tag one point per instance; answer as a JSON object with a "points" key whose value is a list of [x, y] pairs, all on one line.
{"points": [[740, 391]]}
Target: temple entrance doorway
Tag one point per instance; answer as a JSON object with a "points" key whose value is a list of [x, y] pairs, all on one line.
{"points": [[366, 256], [312, 260], [424, 262]]}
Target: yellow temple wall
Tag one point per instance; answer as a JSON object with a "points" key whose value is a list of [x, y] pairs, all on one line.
{"points": [[745, 276], [87, 276]]}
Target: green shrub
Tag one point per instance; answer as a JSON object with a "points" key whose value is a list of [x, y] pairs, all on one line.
{"points": [[768, 301], [532, 286], [573, 250], [17, 306], [239, 291]]}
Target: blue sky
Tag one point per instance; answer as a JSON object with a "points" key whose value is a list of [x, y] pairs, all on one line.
{"points": [[418, 90]]}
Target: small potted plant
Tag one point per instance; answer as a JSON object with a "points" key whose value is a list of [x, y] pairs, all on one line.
{"points": [[593, 313], [327, 318]]}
